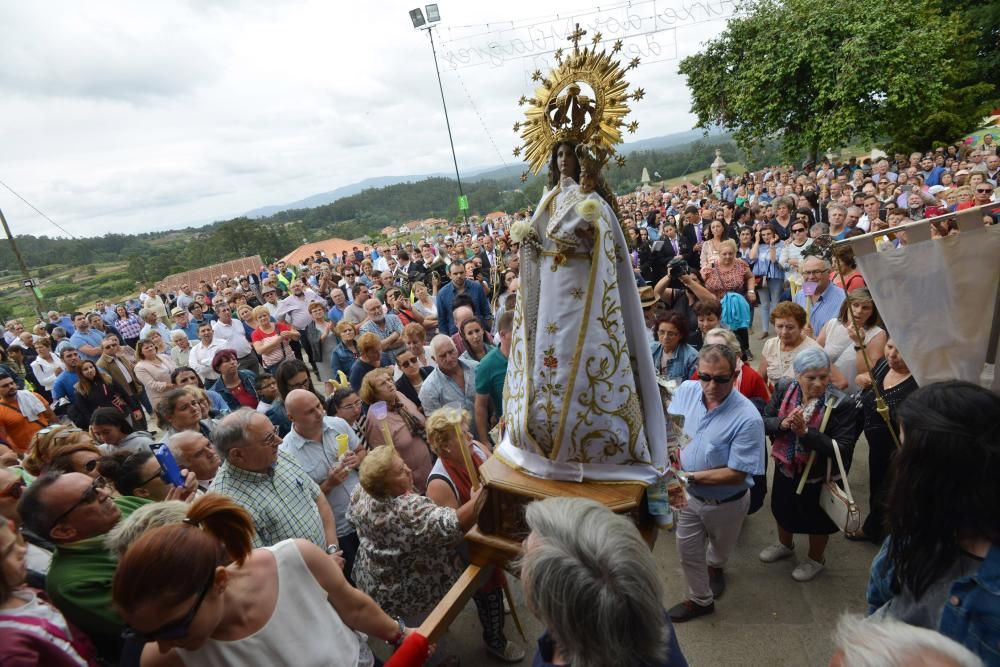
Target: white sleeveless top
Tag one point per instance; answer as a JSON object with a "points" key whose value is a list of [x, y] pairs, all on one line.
{"points": [[304, 629]]}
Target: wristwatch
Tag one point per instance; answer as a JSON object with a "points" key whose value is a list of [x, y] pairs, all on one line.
{"points": [[400, 632], [332, 548]]}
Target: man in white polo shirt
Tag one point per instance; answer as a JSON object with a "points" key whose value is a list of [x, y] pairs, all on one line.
{"points": [[230, 334]]}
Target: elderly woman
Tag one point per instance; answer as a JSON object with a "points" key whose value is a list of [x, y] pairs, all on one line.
{"points": [[840, 340], [405, 424], [180, 411], [895, 383], [730, 274], [46, 366], [937, 569], [62, 448], [449, 485], [110, 428], [369, 358], [806, 418], [776, 357], [425, 305], [345, 404], [180, 353], [673, 358], [411, 376], [408, 558], [153, 371], [414, 340], [592, 581], [346, 352]]}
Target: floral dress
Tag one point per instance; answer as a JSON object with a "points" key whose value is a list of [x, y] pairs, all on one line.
{"points": [[407, 560]]}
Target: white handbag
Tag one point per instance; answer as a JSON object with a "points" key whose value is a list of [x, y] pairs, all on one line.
{"points": [[838, 503]]}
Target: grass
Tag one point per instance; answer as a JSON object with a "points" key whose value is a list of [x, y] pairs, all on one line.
{"points": [[65, 284]]}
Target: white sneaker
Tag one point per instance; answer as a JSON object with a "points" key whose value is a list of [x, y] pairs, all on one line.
{"points": [[776, 552], [807, 570]]}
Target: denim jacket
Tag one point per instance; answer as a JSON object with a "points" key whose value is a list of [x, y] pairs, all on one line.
{"points": [[971, 615], [681, 366]]}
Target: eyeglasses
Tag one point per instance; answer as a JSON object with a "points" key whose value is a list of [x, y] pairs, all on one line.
{"points": [[717, 379], [91, 494], [814, 272], [179, 628], [14, 490], [350, 406], [159, 473]]}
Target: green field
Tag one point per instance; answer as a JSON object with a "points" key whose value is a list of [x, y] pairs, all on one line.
{"points": [[64, 288]]}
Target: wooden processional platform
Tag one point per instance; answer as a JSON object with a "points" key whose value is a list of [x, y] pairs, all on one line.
{"points": [[496, 538]]}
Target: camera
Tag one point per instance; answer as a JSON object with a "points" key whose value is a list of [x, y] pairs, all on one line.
{"points": [[678, 267]]}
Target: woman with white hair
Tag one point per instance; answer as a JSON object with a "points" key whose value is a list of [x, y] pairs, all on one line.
{"points": [[806, 416], [887, 642], [591, 580], [181, 350]]}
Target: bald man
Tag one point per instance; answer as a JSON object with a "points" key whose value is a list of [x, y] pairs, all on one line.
{"points": [[194, 451], [313, 441]]}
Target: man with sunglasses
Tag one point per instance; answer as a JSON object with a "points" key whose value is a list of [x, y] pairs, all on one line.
{"points": [[75, 512], [726, 449]]}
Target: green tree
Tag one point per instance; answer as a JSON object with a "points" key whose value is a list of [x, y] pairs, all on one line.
{"points": [[821, 74]]}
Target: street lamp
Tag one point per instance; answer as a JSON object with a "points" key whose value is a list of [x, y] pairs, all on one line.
{"points": [[420, 23]]}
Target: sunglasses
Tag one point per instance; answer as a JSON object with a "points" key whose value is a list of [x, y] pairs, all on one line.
{"points": [[179, 628], [88, 496], [407, 363], [14, 490], [984, 190], [797, 230], [717, 379]]}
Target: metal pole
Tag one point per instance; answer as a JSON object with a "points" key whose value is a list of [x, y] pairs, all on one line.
{"points": [[24, 267], [430, 33]]}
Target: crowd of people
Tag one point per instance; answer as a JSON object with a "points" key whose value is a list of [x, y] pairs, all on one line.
{"points": [[309, 412]]}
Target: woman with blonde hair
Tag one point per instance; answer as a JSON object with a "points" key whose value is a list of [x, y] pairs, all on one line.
{"points": [[424, 304], [346, 352], [62, 448], [231, 604], [403, 421], [153, 370], [449, 485], [414, 337], [272, 340]]}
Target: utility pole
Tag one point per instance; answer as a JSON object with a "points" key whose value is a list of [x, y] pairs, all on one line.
{"points": [[465, 211], [29, 283]]}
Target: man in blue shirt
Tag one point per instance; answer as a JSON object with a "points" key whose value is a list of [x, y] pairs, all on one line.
{"points": [[459, 285], [85, 339], [825, 303], [725, 451], [65, 383]]}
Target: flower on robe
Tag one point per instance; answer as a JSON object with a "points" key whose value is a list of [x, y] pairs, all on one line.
{"points": [[589, 209], [520, 230]]}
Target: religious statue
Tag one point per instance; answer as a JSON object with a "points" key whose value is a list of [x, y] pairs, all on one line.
{"points": [[581, 402]]}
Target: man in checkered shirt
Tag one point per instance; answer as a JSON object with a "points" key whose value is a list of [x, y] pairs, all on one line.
{"points": [[283, 501]]}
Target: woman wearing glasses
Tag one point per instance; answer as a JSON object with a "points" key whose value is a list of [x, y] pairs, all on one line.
{"points": [[231, 604], [412, 376], [791, 252], [64, 449]]}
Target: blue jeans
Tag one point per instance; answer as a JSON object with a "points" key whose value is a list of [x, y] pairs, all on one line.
{"points": [[769, 296]]}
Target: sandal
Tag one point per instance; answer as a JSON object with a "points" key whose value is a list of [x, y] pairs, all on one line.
{"points": [[857, 536]]}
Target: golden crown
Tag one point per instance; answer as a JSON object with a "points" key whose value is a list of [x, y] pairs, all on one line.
{"points": [[559, 111]]}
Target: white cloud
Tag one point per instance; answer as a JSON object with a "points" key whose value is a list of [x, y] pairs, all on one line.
{"points": [[123, 116]]}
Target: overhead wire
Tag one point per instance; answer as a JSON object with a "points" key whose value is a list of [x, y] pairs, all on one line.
{"points": [[38, 211]]}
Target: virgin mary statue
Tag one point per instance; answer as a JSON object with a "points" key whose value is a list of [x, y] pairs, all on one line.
{"points": [[581, 400]]}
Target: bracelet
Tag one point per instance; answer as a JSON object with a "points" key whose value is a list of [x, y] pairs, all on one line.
{"points": [[400, 632], [857, 348]]}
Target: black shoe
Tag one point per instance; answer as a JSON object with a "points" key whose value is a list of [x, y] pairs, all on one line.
{"points": [[687, 610], [716, 581]]}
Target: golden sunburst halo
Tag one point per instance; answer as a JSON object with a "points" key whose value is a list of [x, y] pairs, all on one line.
{"points": [[560, 111]]}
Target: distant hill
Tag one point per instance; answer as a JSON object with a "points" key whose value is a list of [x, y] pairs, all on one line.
{"points": [[489, 173]]}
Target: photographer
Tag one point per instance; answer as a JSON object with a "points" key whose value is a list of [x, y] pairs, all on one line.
{"points": [[681, 289]]}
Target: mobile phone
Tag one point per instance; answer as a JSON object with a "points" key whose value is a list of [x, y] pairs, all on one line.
{"points": [[169, 470]]}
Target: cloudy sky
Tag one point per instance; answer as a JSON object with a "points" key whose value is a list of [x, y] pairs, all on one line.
{"points": [[123, 116]]}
